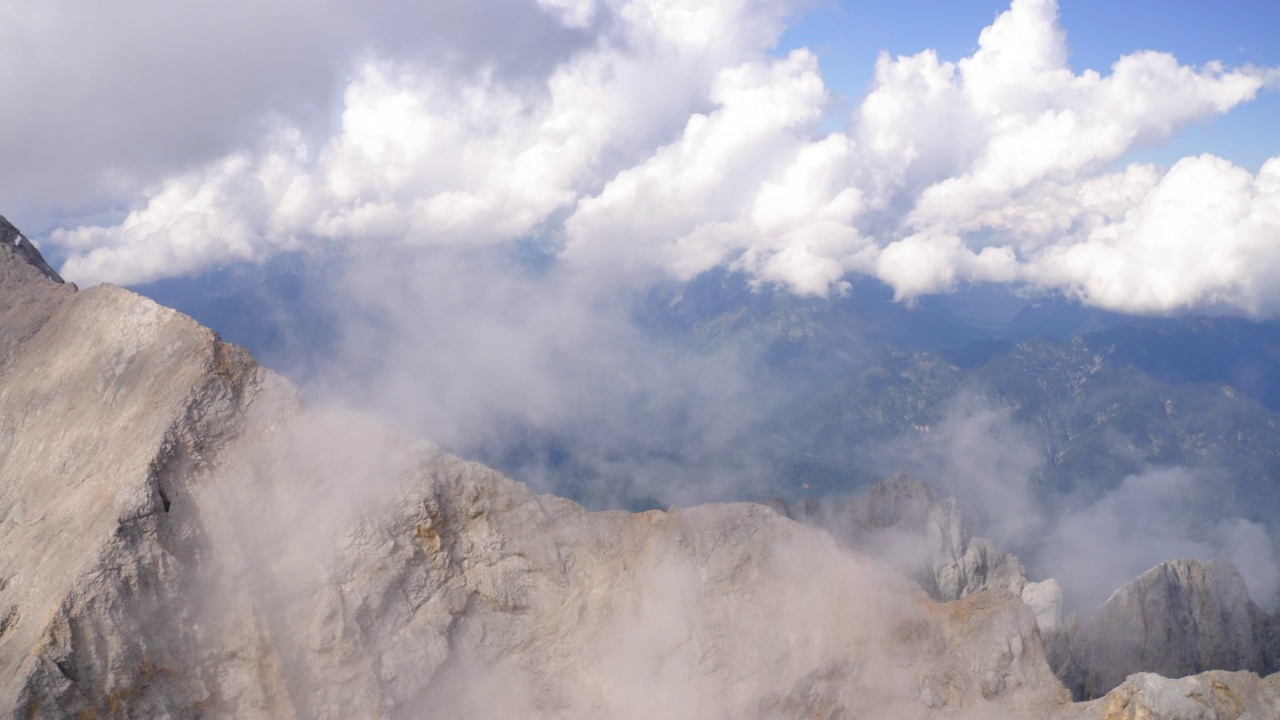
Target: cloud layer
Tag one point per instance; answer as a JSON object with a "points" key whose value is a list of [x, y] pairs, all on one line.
{"points": [[645, 138]]}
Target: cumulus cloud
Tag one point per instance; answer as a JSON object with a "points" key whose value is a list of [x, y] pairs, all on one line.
{"points": [[102, 102], [427, 155], [1201, 237], [240, 208], [665, 138], [712, 194]]}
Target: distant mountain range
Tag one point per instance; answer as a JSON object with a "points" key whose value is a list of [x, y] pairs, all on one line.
{"points": [[1100, 406], [1100, 395]]}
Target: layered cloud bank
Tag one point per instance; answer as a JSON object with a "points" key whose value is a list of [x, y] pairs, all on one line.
{"points": [[665, 139]]}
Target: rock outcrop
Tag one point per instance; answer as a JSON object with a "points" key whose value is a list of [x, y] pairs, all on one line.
{"points": [[912, 527], [110, 406], [26, 301], [181, 538], [1179, 618], [1215, 695], [12, 238]]}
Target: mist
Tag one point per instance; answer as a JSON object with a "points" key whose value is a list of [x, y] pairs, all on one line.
{"points": [[384, 571], [546, 373], [1091, 543], [1157, 515]]}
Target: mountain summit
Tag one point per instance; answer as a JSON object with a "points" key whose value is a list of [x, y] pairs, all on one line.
{"points": [[11, 237]]}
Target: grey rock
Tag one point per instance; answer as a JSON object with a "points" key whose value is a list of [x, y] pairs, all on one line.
{"points": [[1216, 695], [909, 525], [1046, 600], [1057, 628], [26, 301], [108, 406], [12, 239], [914, 529], [1179, 618]]}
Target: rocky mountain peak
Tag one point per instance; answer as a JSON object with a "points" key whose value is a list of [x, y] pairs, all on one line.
{"points": [[15, 242], [29, 290], [1178, 618]]}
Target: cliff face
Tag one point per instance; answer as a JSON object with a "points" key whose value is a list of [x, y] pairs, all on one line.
{"points": [[26, 301], [110, 408], [181, 539], [1179, 618]]}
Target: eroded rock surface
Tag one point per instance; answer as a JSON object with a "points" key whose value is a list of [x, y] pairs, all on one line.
{"points": [[1215, 695], [16, 242], [26, 302], [109, 407], [1179, 618]]}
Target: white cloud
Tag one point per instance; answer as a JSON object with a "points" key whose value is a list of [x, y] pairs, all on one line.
{"points": [[928, 262], [427, 156], [1206, 237], [689, 206], [240, 208], [672, 142], [104, 101]]}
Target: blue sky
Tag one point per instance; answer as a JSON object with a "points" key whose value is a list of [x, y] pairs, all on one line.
{"points": [[849, 35]]}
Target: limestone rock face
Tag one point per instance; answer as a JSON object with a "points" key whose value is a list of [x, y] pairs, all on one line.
{"points": [[26, 300], [108, 406], [716, 611], [1046, 600], [1057, 628], [1179, 618], [16, 242], [922, 534], [179, 537], [1215, 695]]}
